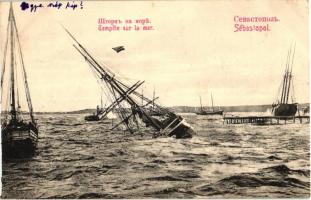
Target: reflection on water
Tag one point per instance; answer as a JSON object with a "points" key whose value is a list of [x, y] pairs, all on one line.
{"points": [[85, 160]]}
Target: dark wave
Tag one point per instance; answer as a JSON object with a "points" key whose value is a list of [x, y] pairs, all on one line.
{"points": [[276, 176]]}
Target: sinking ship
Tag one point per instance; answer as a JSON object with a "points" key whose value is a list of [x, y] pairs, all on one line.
{"points": [[125, 99]]}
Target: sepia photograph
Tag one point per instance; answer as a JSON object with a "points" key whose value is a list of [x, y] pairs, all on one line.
{"points": [[155, 99]]}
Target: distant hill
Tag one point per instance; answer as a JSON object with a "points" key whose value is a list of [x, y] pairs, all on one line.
{"points": [[83, 111], [191, 109], [248, 108], [242, 108]]}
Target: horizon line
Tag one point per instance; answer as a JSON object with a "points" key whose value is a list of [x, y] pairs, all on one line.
{"points": [[64, 111]]}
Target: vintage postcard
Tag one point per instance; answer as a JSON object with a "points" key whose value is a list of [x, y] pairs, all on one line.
{"points": [[154, 99]]}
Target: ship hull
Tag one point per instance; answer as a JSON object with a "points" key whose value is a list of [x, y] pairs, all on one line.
{"points": [[218, 112], [154, 113], [174, 127], [180, 129], [183, 131], [19, 141], [91, 118], [285, 110]]}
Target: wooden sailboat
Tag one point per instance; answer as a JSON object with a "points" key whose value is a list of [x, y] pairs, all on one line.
{"points": [[211, 112], [19, 133], [282, 107]]}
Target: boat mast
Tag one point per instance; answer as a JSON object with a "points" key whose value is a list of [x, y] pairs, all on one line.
{"points": [[101, 100], [290, 74], [13, 109], [27, 91], [153, 98], [285, 80], [283, 87], [142, 96], [201, 103], [212, 102]]}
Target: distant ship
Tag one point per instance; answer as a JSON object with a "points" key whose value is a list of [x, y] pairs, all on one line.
{"points": [[19, 133], [98, 115], [95, 116], [282, 107], [306, 110], [211, 112]]}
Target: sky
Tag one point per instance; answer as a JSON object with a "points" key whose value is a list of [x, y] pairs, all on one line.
{"points": [[191, 51]]}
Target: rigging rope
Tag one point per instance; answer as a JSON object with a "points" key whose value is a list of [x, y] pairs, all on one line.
{"points": [[4, 57], [7, 100], [100, 82], [119, 111], [293, 96], [18, 116], [278, 94], [7, 103], [27, 91], [113, 83]]}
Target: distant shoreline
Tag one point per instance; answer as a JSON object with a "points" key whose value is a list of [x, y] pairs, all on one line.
{"points": [[191, 109]]}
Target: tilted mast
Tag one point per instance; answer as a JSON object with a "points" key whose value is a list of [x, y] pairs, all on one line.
{"points": [[113, 83], [101, 101], [142, 98], [153, 97]]}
